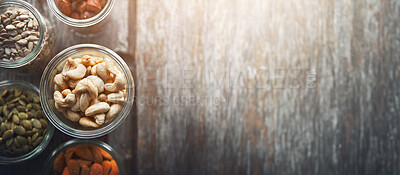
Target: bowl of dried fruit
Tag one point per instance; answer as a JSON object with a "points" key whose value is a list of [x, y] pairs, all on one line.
{"points": [[24, 129], [77, 157], [87, 91]]}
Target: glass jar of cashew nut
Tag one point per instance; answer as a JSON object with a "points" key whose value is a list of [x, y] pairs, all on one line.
{"points": [[26, 38], [87, 91]]}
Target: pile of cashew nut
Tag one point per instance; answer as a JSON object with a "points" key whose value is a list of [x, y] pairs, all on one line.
{"points": [[90, 90]]}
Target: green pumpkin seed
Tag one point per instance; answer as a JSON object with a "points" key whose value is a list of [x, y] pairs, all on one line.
{"points": [[36, 123], [37, 141], [17, 92], [19, 130], [15, 119], [27, 124], [21, 102], [23, 116], [25, 148], [1, 101], [29, 106], [35, 136], [21, 140], [21, 108], [36, 106], [43, 122], [8, 134]]}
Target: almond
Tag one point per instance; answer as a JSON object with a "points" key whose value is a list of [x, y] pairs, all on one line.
{"points": [[93, 5], [85, 170], [106, 167], [59, 164], [81, 7], [87, 15], [105, 154], [96, 154], [73, 167], [65, 172], [68, 154], [75, 15], [114, 167], [65, 7], [83, 152], [96, 169]]}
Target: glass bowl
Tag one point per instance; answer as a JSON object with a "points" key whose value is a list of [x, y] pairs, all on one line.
{"points": [[57, 118], [46, 139], [48, 166]]}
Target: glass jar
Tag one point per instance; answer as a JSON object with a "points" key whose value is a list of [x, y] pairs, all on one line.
{"points": [[48, 166], [84, 27], [57, 118], [36, 60], [46, 139]]}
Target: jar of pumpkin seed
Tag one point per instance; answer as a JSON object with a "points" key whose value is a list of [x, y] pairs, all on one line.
{"points": [[24, 129], [27, 41]]}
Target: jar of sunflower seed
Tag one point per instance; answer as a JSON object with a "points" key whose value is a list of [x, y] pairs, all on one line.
{"points": [[24, 129], [26, 38]]}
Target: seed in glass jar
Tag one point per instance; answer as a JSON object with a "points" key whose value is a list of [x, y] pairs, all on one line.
{"points": [[35, 136], [13, 32], [13, 50], [26, 124], [32, 38], [44, 123], [22, 42], [30, 45], [8, 51], [8, 134], [23, 116], [10, 27], [20, 25], [19, 130], [1, 51], [16, 38], [36, 123], [15, 119]]}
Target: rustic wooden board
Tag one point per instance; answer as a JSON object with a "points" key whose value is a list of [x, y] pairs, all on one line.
{"points": [[347, 124]]}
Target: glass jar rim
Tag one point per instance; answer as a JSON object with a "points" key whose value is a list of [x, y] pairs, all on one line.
{"points": [[48, 136], [80, 23], [48, 165], [46, 80], [42, 29]]}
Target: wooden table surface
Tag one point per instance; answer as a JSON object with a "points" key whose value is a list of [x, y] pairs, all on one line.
{"points": [[253, 87]]}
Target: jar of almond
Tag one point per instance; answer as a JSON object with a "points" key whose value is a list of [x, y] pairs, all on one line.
{"points": [[26, 38], [84, 17], [87, 91]]}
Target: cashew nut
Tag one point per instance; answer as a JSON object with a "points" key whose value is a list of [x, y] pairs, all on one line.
{"points": [[84, 101], [113, 112], [98, 108], [97, 81], [77, 105], [100, 118], [70, 64], [72, 83], [94, 69], [116, 97], [102, 71], [58, 80], [111, 66], [68, 101], [102, 97], [85, 85], [73, 116], [86, 122], [118, 84], [88, 60], [78, 73], [65, 92]]}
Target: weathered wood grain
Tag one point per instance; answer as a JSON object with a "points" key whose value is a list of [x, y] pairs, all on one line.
{"points": [[347, 124]]}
